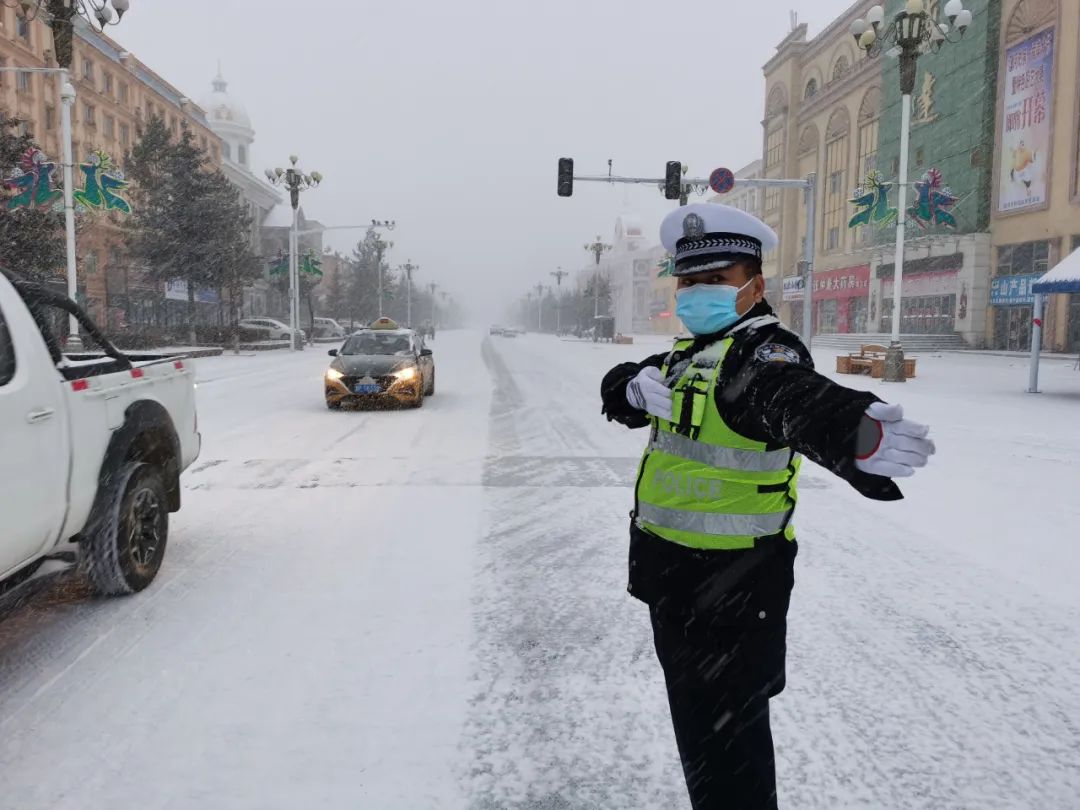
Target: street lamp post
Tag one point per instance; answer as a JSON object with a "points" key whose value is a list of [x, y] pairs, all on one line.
{"points": [[597, 248], [434, 312], [295, 181], [409, 269], [559, 275], [60, 16], [912, 33], [380, 248]]}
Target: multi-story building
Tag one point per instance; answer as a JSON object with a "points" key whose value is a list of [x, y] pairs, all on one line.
{"points": [[822, 114], [116, 94], [1036, 170], [230, 121], [946, 270], [834, 112]]}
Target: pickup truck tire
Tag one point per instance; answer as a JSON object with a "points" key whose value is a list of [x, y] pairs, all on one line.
{"points": [[123, 550]]}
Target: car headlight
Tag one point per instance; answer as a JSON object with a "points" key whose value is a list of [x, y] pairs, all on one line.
{"points": [[333, 374], [406, 374]]}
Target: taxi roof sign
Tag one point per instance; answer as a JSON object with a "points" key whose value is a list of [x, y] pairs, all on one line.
{"points": [[384, 323]]}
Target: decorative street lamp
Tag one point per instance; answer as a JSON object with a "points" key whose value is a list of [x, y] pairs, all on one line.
{"points": [[295, 181], [60, 16], [597, 248], [381, 247], [911, 33], [559, 275]]}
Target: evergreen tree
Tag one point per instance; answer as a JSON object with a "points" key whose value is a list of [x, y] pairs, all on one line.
{"points": [[31, 239], [189, 223]]}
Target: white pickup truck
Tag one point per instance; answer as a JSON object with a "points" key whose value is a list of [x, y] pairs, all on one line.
{"points": [[91, 449]]}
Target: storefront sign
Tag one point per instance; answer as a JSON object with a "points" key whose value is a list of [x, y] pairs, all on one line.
{"points": [[851, 282], [917, 285], [1013, 290], [793, 288], [1025, 123], [178, 291]]}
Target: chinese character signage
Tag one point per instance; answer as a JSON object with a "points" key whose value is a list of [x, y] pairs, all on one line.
{"points": [[851, 282], [1025, 123], [873, 198], [793, 288], [32, 185], [1013, 290], [933, 199], [178, 291]]}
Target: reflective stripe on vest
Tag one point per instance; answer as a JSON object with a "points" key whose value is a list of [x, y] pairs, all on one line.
{"points": [[723, 457], [712, 523]]}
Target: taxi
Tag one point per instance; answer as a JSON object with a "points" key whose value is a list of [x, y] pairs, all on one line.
{"points": [[380, 363]]}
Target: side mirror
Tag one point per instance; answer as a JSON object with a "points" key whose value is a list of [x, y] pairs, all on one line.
{"points": [[426, 353], [332, 352]]}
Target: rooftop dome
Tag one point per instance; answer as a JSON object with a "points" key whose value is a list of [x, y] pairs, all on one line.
{"points": [[222, 108]]}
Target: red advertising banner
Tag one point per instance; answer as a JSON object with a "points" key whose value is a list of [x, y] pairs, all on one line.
{"points": [[851, 282]]}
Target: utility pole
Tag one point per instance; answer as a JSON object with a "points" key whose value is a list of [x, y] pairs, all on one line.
{"points": [[559, 275], [432, 287], [539, 307]]}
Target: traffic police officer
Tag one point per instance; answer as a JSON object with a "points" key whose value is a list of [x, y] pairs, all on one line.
{"points": [[731, 411]]}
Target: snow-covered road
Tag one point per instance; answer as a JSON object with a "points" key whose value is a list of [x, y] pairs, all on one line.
{"points": [[427, 609]]}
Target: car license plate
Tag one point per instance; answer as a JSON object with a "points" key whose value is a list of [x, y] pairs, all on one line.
{"points": [[367, 388]]}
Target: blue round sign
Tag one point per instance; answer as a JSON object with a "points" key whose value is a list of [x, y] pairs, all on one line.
{"points": [[722, 181]]}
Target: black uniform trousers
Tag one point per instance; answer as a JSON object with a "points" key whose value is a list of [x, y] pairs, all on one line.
{"points": [[720, 628], [719, 682]]}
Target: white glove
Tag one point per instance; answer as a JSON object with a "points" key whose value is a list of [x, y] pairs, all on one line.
{"points": [[902, 445], [647, 392]]}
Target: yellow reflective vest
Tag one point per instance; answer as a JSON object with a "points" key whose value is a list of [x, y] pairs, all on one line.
{"points": [[702, 485]]}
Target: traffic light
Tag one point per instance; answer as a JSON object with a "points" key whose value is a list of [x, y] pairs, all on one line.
{"points": [[566, 177], [673, 180]]}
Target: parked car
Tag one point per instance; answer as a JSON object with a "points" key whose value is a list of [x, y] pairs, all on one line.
{"points": [[267, 329], [495, 330], [93, 449], [327, 328], [380, 363]]}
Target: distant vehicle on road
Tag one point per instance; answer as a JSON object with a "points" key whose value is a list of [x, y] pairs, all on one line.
{"points": [[327, 328], [378, 364], [267, 329], [496, 330], [93, 448], [511, 332]]}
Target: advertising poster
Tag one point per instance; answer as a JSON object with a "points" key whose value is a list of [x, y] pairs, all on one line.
{"points": [[1025, 125]]}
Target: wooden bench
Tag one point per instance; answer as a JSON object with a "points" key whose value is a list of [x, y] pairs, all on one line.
{"points": [[870, 359]]}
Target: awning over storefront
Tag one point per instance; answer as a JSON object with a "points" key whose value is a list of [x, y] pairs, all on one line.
{"points": [[1064, 278]]}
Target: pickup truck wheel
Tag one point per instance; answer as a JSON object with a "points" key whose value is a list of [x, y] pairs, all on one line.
{"points": [[431, 386], [124, 549]]}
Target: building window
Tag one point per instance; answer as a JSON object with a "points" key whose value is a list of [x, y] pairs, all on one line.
{"points": [[125, 134], [1023, 259], [88, 70], [90, 263], [774, 147], [836, 196], [22, 29], [3, 64], [226, 150], [868, 144], [811, 89], [110, 127], [772, 200], [203, 143], [108, 84], [90, 115], [50, 118], [840, 68], [920, 156], [123, 93], [22, 84], [242, 150]]}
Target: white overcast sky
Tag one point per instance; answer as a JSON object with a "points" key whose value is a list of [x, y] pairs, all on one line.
{"points": [[449, 117]]}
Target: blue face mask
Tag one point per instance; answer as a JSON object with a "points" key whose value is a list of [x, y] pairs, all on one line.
{"points": [[708, 308]]}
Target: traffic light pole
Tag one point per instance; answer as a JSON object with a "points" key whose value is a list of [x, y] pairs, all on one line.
{"points": [[701, 185]]}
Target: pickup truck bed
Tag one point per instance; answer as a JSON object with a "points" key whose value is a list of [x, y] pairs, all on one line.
{"points": [[92, 449]]}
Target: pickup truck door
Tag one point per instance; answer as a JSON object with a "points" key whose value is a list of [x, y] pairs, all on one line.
{"points": [[33, 438]]}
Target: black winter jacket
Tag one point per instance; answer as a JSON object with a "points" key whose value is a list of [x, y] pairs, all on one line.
{"points": [[768, 391]]}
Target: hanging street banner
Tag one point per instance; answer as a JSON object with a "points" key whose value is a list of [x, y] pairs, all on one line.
{"points": [[1025, 123], [178, 291], [31, 183], [102, 184], [794, 287]]}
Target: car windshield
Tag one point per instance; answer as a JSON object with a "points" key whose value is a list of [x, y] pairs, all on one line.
{"points": [[375, 343]]}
